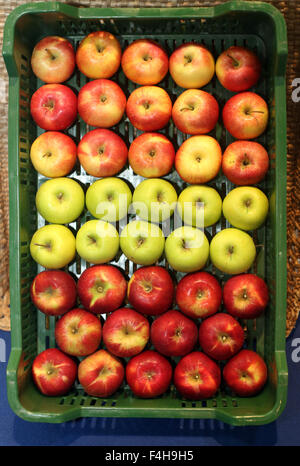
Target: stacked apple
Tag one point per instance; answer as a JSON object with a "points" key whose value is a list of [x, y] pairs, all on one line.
{"points": [[109, 329]]}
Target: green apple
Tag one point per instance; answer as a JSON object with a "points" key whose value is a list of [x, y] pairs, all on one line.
{"points": [[53, 246], [97, 242], [187, 249], [60, 200], [142, 242], [199, 206], [109, 199], [154, 200], [246, 207], [232, 251]]}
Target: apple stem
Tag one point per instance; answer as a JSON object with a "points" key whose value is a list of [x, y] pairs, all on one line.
{"points": [[235, 62], [190, 107], [188, 59], [47, 245], [51, 55], [47, 154]]}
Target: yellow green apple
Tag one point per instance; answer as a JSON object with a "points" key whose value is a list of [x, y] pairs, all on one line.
{"points": [[142, 242], [60, 200], [187, 249], [154, 200], [97, 242], [53, 246], [108, 199], [199, 206], [246, 207], [232, 251]]}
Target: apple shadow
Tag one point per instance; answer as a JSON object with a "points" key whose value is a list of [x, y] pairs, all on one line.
{"points": [[142, 432]]}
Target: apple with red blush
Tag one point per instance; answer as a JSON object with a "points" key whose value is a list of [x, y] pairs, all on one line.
{"points": [[102, 153], [199, 294], [151, 290], [53, 107], [245, 115], [101, 288], [173, 334], [221, 336], [125, 332], [54, 372], [246, 373], [101, 103], [245, 163], [197, 376], [149, 374], [78, 332], [101, 373], [53, 292], [245, 296], [53, 59], [238, 68]]}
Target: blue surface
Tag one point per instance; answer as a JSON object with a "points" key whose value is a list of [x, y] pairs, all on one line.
{"points": [[156, 432]]}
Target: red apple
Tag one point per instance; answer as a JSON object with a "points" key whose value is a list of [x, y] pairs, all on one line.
{"points": [[195, 112], [245, 296], [145, 62], [101, 374], [238, 68], [101, 288], [99, 55], [125, 332], [245, 115], [53, 59], [199, 294], [196, 376], [101, 103], [192, 65], [245, 373], [149, 108], [53, 292], [173, 334], [221, 336], [53, 107], [151, 290], [198, 159], [148, 374], [102, 152], [78, 332], [53, 154], [151, 155], [245, 163], [54, 372]]}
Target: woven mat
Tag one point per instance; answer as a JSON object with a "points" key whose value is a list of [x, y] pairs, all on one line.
{"points": [[291, 10]]}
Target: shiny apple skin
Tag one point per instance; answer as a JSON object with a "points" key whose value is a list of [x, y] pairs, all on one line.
{"points": [[101, 103], [174, 334], [101, 288], [78, 332], [221, 336], [151, 155], [101, 373], [54, 372], [53, 107], [246, 373], [245, 296], [101, 152], [149, 374], [149, 108], [238, 68], [145, 62], [197, 376], [125, 332], [151, 290], [199, 295], [53, 292], [53, 59], [245, 163]]}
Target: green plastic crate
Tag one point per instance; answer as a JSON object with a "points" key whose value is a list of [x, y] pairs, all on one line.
{"points": [[257, 25]]}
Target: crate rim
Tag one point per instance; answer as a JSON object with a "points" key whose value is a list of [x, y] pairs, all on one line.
{"points": [[168, 13]]}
